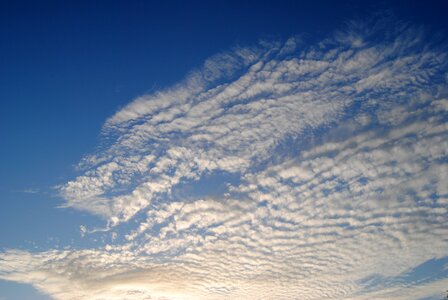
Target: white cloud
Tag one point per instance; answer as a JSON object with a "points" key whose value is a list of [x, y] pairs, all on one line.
{"points": [[203, 125], [340, 151]]}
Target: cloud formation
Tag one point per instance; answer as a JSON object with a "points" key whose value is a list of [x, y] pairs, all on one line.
{"points": [[340, 155]]}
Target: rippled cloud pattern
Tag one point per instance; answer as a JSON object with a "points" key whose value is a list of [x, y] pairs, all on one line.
{"points": [[278, 171]]}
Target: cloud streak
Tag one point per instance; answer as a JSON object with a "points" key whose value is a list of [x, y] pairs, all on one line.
{"points": [[339, 151]]}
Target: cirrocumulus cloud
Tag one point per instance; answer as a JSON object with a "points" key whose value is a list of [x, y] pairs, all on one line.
{"points": [[331, 162]]}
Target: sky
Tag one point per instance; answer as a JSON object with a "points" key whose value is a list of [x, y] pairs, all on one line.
{"points": [[226, 150]]}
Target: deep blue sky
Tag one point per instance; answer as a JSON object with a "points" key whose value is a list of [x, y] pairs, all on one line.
{"points": [[65, 66], [64, 59]]}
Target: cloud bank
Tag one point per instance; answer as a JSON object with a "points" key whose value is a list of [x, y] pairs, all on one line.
{"points": [[338, 159]]}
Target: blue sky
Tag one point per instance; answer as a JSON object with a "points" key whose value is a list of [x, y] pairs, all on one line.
{"points": [[223, 146]]}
